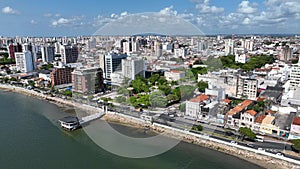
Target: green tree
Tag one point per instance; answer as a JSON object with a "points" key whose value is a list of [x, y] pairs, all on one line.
{"points": [[144, 100], [198, 70], [139, 86], [31, 82], [13, 79], [197, 127], [247, 132], [133, 101], [157, 99], [172, 97], [182, 107], [202, 86], [213, 64], [189, 76], [186, 91], [162, 80], [296, 144], [67, 93], [122, 90], [154, 78], [120, 99], [165, 88]]}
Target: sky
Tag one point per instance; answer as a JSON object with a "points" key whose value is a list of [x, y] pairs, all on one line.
{"points": [[85, 17]]}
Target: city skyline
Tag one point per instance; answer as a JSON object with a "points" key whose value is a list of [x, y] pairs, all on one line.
{"points": [[72, 18]]}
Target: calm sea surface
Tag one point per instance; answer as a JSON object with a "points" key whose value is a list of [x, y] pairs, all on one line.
{"points": [[30, 138]]}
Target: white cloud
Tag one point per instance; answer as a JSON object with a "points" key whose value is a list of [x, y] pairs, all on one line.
{"points": [[205, 7], [33, 22], [52, 15], [246, 7], [212, 18], [168, 11], [47, 14], [124, 13], [101, 20], [60, 21], [113, 15], [73, 21], [246, 21], [9, 10]]}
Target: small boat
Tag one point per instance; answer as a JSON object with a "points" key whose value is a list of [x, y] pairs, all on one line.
{"points": [[69, 123]]}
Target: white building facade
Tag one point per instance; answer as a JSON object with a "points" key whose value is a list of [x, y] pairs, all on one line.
{"points": [[24, 61]]}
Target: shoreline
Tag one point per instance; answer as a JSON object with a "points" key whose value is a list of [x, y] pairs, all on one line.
{"points": [[259, 159]]}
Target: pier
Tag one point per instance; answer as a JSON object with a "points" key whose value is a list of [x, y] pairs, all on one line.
{"points": [[91, 117]]}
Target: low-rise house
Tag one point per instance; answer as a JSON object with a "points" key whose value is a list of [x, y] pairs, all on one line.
{"points": [[193, 106], [174, 75], [234, 115], [257, 122], [215, 91], [295, 129], [209, 111], [248, 118], [272, 94], [268, 126]]}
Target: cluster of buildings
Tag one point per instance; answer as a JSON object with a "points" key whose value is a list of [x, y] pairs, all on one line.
{"points": [[90, 64]]}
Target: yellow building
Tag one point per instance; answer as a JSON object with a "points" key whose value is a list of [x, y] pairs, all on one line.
{"points": [[267, 126]]}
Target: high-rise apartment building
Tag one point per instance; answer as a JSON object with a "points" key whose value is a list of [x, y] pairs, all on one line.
{"points": [[133, 67], [295, 76], [24, 61], [229, 47], [286, 53], [87, 80], [69, 53], [13, 48], [61, 75], [247, 87], [48, 53], [112, 63]]}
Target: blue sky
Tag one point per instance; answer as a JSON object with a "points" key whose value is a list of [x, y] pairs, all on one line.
{"points": [[77, 17]]}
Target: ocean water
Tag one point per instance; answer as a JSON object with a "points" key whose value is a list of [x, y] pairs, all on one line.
{"points": [[30, 138]]}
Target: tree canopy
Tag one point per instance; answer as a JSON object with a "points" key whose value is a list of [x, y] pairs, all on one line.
{"points": [[202, 86], [247, 132], [197, 127], [255, 62], [158, 99], [296, 144]]}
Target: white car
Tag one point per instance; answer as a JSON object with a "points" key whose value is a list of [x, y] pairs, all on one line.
{"points": [[261, 149], [250, 145], [279, 154], [233, 142], [259, 140]]}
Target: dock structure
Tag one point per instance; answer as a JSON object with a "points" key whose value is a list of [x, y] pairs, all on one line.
{"points": [[72, 123], [91, 117]]}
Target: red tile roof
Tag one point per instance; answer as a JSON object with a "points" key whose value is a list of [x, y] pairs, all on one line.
{"points": [[200, 98], [260, 98], [270, 112], [296, 121], [240, 107], [251, 112], [175, 71], [260, 118], [227, 100]]}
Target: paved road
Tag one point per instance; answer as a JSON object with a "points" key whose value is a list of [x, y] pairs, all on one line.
{"points": [[184, 124]]}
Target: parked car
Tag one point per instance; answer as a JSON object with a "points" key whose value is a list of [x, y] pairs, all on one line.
{"points": [[259, 140], [279, 154], [233, 142], [250, 145]]}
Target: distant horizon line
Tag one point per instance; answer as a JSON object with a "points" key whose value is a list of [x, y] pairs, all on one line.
{"points": [[155, 34]]}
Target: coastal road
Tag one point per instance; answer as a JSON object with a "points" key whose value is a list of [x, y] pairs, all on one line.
{"points": [[185, 124]]}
